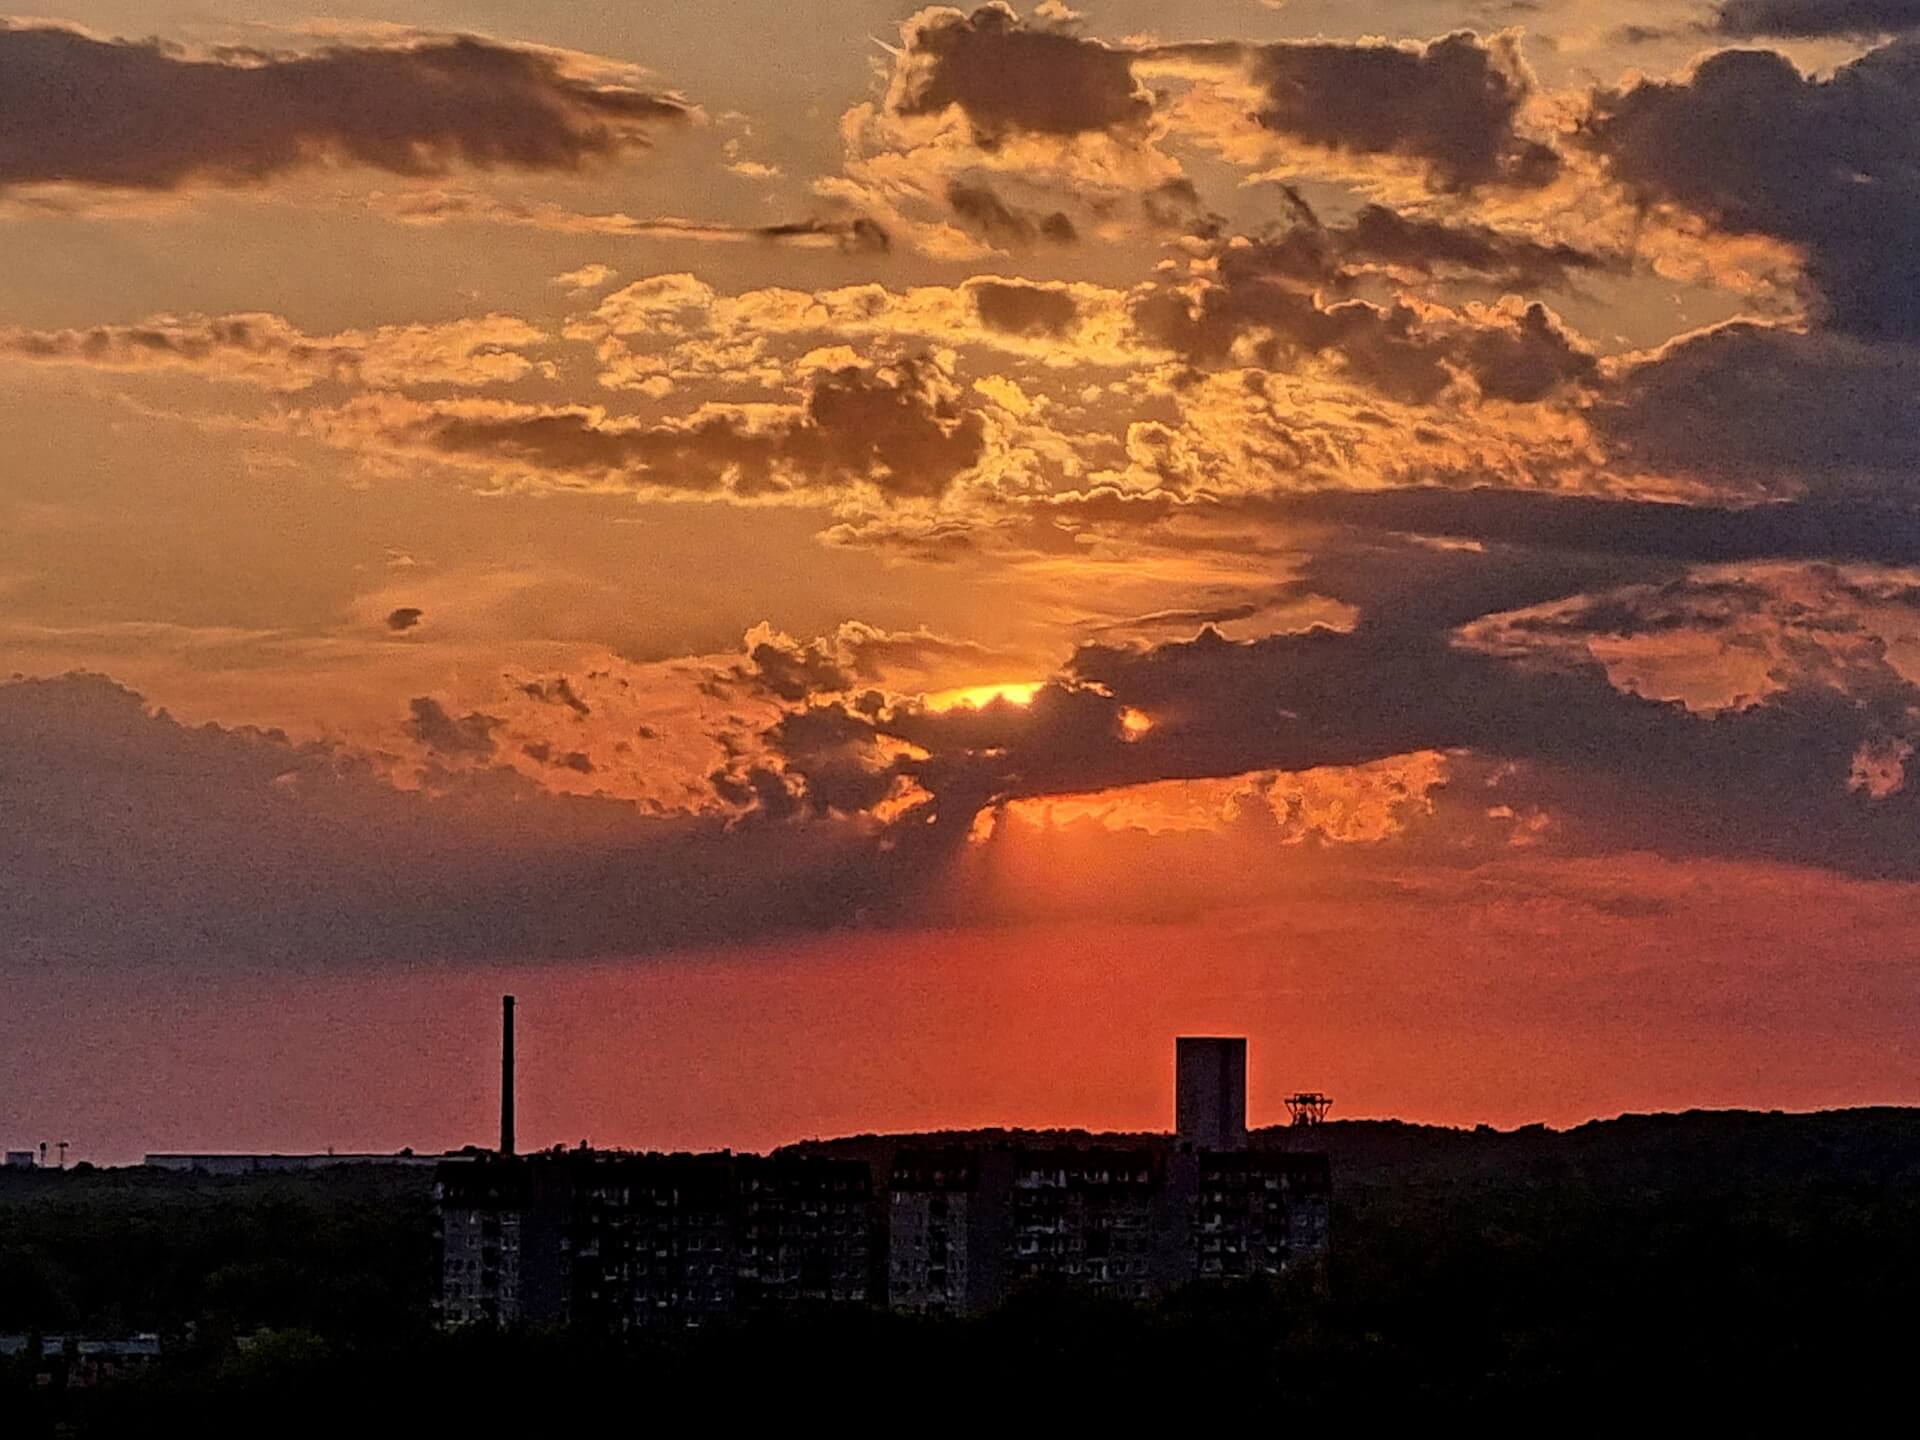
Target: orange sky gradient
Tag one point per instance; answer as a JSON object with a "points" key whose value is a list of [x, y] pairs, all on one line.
{"points": [[1506, 1000], [874, 565]]}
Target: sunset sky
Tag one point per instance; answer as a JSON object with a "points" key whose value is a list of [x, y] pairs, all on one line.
{"points": [[874, 564]]}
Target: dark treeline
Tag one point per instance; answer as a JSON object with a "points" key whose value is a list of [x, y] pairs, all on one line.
{"points": [[1729, 1264]]}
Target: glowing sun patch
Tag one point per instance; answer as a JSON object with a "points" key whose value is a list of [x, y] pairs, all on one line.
{"points": [[977, 697]]}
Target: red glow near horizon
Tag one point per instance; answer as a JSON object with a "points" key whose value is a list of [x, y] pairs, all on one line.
{"points": [[1394, 1010]]}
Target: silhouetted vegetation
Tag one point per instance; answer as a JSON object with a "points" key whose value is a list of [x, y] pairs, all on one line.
{"points": [[1733, 1264], [347, 1251]]}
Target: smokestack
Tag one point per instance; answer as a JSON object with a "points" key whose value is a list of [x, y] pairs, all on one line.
{"points": [[506, 1074]]}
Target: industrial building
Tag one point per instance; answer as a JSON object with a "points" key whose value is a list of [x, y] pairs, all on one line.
{"points": [[616, 1242]]}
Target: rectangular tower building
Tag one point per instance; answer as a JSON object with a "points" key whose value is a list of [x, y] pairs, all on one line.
{"points": [[1210, 1092]]}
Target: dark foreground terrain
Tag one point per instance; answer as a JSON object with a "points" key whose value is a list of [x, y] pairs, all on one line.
{"points": [[1719, 1267]]}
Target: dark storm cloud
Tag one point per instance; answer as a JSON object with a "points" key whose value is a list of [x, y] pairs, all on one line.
{"points": [[433, 726], [980, 209], [1020, 309], [1176, 205], [791, 670], [1831, 165], [1573, 525], [901, 427], [1809, 18], [1406, 584], [237, 846], [1528, 361], [1773, 779], [1477, 647], [1252, 299], [405, 617], [1310, 251], [859, 235], [1178, 619], [1009, 78], [1516, 262], [541, 752], [557, 691], [1746, 404], [827, 749], [1432, 558], [143, 115], [234, 846], [1451, 105]]}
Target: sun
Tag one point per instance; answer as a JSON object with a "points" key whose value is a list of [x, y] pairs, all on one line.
{"points": [[975, 697]]}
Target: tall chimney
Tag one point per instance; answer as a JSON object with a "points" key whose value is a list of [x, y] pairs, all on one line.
{"points": [[506, 1074]]}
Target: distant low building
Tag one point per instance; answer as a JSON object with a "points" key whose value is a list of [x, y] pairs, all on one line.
{"points": [[237, 1164], [617, 1242], [19, 1160], [79, 1361]]}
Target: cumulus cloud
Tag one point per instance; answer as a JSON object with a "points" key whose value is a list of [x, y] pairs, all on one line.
{"points": [[997, 134], [676, 327], [1830, 164], [1008, 78], [143, 115], [1091, 131], [586, 279], [1452, 106], [901, 428], [1272, 301]]}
